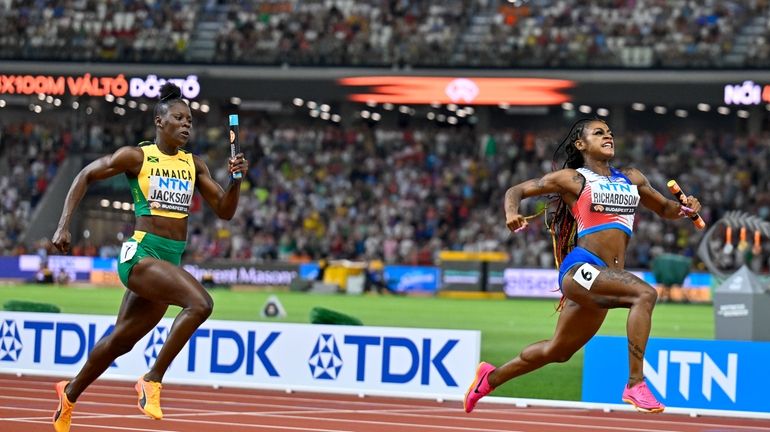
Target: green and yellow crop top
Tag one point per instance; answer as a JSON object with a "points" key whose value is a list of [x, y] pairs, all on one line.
{"points": [[165, 185]]}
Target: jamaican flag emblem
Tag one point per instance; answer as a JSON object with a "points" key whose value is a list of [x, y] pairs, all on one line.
{"points": [[153, 159]]}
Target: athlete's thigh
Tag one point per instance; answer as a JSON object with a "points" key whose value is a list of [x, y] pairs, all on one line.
{"points": [[577, 325], [138, 315], [602, 287], [163, 282]]}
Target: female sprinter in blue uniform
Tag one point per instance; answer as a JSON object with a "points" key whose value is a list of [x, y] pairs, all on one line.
{"points": [[592, 225], [162, 177]]}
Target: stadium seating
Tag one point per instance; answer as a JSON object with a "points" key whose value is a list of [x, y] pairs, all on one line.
{"points": [[447, 33]]}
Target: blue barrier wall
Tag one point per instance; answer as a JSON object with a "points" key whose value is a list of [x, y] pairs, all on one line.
{"points": [[686, 373]]}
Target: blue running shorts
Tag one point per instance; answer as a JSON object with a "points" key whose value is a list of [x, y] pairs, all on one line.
{"points": [[578, 256]]}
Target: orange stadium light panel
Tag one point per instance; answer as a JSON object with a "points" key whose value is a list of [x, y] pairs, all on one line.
{"points": [[467, 91]]}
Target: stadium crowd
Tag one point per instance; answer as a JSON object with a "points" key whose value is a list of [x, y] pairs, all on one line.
{"points": [[30, 154], [88, 30], [401, 195], [405, 33]]}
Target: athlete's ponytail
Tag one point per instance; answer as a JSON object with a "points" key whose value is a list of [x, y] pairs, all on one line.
{"points": [[561, 223]]}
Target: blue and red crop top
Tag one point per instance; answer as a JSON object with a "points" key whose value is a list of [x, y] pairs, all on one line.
{"points": [[605, 203]]}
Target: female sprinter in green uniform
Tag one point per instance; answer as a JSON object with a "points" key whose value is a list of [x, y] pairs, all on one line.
{"points": [[162, 178]]}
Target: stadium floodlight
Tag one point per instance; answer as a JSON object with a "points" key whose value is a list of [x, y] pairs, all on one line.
{"points": [[742, 114], [680, 113], [660, 109], [2, 103], [638, 106], [704, 107], [388, 106], [109, 97], [723, 110], [585, 109], [235, 100], [120, 101], [311, 104], [57, 102], [49, 99], [567, 106], [602, 112], [298, 102], [104, 203], [325, 108], [336, 118], [376, 117]]}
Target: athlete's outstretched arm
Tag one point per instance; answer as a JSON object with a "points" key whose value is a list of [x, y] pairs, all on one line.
{"points": [[565, 181], [655, 201], [125, 159], [222, 202]]}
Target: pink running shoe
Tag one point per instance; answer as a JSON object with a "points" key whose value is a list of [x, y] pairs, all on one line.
{"points": [[642, 398], [479, 387]]}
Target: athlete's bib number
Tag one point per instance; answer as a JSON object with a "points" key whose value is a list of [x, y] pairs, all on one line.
{"points": [[128, 251], [586, 275]]}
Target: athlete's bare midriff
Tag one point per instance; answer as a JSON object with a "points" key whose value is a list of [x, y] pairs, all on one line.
{"points": [[609, 245], [174, 229]]}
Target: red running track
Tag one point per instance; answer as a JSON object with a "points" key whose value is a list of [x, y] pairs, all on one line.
{"points": [[27, 404]]}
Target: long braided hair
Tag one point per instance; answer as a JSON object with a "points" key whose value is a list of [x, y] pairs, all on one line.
{"points": [[561, 223]]}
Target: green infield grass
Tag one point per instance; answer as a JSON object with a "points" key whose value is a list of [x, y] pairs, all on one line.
{"points": [[506, 325]]}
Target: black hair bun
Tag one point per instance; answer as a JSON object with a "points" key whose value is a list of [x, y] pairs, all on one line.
{"points": [[170, 91]]}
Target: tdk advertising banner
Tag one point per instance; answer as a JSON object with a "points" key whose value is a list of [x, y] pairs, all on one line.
{"points": [[685, 373], [382, 360]]}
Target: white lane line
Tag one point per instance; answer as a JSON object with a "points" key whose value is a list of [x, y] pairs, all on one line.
{"points": [[79, 425], [659, 420]]}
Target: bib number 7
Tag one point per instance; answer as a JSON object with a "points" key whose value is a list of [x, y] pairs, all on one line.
{"points": [[128, 251]]}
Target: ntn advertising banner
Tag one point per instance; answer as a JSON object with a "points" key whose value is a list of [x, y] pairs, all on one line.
{"points": [[355, 359], [685, 373]]}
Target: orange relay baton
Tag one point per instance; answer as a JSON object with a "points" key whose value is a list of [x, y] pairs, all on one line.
{"points": [[673, 186]]}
